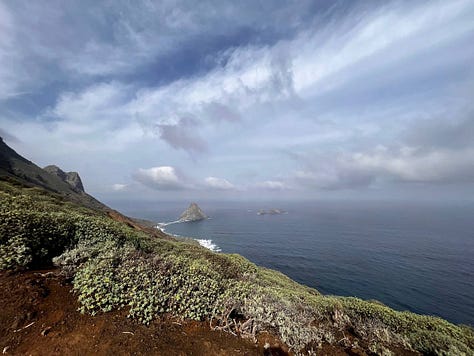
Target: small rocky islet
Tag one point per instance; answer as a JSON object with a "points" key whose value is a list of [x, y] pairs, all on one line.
{"points": [[271, 212], [192, 213]]}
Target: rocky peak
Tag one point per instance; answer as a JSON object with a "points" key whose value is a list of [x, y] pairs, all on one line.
{"points": [[74, 180], [71, 178], [193, 213], [55, 170]]}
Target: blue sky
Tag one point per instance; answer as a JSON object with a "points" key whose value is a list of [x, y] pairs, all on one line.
{"points": [[169, 100]]}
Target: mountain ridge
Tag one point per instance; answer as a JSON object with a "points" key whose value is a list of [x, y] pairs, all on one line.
{"points": [[66, 184], [16, 166]]}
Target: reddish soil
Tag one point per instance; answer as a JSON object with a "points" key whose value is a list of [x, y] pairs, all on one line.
{"points": [[115, 215], [39, 316]]}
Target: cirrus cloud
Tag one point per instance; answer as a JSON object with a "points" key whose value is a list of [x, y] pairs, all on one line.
{"points": [[217, 87]]}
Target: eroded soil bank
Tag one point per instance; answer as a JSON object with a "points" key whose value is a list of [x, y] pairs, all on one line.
{"points": [[39, 316]]}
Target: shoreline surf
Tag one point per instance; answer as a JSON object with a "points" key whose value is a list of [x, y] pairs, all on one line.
{"points": [[206, 243]]}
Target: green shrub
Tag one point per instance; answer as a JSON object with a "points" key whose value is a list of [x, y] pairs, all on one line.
{"points": [[113, 266]]}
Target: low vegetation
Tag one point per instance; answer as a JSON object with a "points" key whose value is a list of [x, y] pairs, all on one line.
{"points": [[113, 266]]}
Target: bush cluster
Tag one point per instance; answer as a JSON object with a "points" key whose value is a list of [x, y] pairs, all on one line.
{"points": [[113, 266], [148, 284]]}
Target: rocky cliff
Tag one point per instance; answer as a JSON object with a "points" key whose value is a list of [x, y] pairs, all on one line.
{"points": [[71, 178]]}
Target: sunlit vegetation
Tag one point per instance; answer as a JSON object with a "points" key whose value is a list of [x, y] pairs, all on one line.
{"points": [[113, 266]]}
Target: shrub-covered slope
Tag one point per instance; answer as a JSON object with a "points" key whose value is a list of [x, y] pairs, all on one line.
{"points": [[112, 266]]}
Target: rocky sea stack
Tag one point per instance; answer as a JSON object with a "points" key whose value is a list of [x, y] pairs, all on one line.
{"points": [[193, 213]]}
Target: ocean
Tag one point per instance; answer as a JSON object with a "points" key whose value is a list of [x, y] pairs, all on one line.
{"points": [[409, 256]]}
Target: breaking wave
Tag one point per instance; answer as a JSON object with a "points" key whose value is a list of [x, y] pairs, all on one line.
{"points": [[209, 245], [203, 242]]}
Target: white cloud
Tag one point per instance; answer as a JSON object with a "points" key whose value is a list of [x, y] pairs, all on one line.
{"points": [[99, 102], [119, 187], [338, 88], [272, 185], [255, 80], [383, 164], [160, 178], [414, 164], [218, 183], [347, 48]]}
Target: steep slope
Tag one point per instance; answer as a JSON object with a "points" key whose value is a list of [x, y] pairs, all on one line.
{"points": [[45, 299], [67, 185], [18, 167]]}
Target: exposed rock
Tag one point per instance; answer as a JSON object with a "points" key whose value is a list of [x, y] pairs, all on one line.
{"points": [[193, 213], [271, 212], [74, 181], [58, 172], [71, 178]]}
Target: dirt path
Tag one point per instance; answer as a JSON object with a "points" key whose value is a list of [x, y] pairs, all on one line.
{"points": [[38, 316]]}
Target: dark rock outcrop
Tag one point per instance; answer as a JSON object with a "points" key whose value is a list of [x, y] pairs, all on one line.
{"points": [[71, 178], [193, 213]]}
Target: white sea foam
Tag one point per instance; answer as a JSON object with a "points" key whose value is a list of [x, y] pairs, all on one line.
{"points": [[208, 244], [161, 226], [203, 242]]}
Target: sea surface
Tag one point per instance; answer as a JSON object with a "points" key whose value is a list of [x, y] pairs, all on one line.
{"points": [[410, 256]]}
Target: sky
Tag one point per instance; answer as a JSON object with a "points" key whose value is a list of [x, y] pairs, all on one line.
{"points": [[230, 100]]}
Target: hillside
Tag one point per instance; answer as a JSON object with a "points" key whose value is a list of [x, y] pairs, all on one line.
{"points": [[66, 186], [44, 298], [116, 270], [25, 171]]}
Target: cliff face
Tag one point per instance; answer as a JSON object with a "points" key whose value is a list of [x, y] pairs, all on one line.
{"points": [[193, 213], [71, 178]]}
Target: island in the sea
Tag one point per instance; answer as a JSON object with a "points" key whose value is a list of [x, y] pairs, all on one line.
{"points": [[192, 213], [271, 212]]}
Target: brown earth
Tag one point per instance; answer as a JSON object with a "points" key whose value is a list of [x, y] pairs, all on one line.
{"points": [[138, 225], [39, 316]]}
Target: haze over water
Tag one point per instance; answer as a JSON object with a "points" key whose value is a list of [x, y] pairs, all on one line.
{"points": [[415, 257]]}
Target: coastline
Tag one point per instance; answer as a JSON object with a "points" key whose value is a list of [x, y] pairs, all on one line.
{"points": [[176, 280], [206, 243], [359, 252]]}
